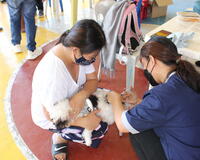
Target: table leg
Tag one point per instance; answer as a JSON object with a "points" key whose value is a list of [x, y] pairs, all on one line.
{"points": [[74, 4], [130, 71]]}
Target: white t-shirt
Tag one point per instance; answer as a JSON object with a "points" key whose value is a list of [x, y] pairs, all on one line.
{"points": [[51, 83]]}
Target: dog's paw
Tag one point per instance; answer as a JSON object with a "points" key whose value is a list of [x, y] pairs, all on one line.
{"points": [[87, 135]]}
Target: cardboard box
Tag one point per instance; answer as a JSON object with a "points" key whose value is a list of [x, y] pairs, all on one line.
{"points": [[159, 8]]}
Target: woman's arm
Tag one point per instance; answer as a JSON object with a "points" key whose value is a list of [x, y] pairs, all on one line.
{"points": [[91, 84], [78, 100], [115, 99], [90, 122]]}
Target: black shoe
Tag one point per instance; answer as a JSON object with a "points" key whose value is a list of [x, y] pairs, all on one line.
{"points": [[2, 1], [1, 29], [197, 63], [41, 14]]}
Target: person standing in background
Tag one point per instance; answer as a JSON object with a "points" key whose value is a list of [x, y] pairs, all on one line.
{"points": [[39, 4], [196, 7], [27, 9]]}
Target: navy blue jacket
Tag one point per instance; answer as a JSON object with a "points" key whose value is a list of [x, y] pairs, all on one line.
{"points": [[172, 109]]}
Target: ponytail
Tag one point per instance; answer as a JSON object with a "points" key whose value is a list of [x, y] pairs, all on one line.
{"points": [[188, 73], [62, 38]]}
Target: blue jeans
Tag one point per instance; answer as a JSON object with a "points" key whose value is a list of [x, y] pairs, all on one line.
{"points": [[27, 9], [196, 6]]}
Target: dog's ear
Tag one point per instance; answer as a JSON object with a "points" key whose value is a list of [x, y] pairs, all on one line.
{"points": [[94, 100], [106, 99]]}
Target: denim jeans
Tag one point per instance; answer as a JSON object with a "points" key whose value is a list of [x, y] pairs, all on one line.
{"points": [[196, 6], [26, 9]]}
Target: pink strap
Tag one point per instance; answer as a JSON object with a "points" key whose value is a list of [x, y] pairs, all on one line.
{"points": [[135, 17], [128, 34], [125, 14]]}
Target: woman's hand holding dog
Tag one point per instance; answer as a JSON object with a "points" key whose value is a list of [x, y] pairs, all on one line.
{"points": [[113, 97], [90, 122], [77, 103], [130, 98]]}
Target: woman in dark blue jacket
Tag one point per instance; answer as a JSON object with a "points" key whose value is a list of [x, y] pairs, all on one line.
{"points": [[165, 124]]}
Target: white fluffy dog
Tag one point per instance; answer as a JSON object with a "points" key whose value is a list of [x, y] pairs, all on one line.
{"points": [[98, 100]]}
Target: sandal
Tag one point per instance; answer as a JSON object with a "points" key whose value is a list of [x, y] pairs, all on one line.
{"points": [[59, 148]]}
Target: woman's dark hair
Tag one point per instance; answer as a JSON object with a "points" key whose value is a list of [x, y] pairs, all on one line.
{"points": [[86, 34], [165, 50]]}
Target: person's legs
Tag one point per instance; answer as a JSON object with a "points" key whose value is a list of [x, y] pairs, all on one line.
{"points": [[39, 5], [196, 6], [147, 146], [57, 139], [75, 134], [28, 10], [15, 24]]}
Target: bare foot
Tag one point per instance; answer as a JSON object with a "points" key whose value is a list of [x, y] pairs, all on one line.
{"points": [[56, 140]]}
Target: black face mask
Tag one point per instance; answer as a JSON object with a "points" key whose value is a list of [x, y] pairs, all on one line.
{"points": [[83, 61], [149, 77]]}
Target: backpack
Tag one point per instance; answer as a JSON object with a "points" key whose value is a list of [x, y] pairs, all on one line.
{"points": [[129, 34]]}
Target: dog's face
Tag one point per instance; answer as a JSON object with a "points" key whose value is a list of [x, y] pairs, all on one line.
{"points": [[106, 112], [99, 95]]}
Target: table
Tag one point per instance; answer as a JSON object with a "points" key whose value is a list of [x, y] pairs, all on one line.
{"points": [[74, 11], [177, 25]]}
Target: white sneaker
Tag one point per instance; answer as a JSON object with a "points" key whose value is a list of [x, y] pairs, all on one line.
{"points": [[34, 54], [17, 48]]}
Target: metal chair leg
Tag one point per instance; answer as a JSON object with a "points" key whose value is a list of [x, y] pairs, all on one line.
{"points": [[45, 7], [99, 72]]}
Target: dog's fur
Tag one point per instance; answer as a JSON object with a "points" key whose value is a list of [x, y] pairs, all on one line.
{"points": [[98, 100]]}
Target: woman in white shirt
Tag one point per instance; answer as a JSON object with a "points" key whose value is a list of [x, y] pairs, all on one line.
{"points": [[66, 71]]}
